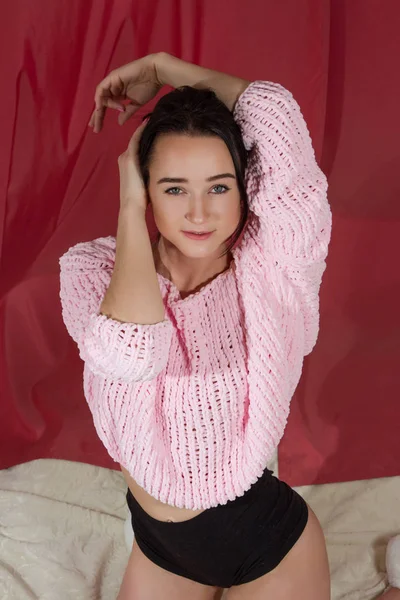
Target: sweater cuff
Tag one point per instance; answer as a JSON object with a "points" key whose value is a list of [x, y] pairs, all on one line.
{"points": [[126, 351]]}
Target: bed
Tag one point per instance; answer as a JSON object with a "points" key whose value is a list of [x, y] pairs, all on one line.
{"points": [[62, 531]]}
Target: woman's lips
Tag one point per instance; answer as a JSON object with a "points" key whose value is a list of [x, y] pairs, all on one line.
{"points": [[197, 236]]}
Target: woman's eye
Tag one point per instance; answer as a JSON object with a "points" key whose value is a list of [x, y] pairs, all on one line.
{"points": [[174, 191], [220, 189]]}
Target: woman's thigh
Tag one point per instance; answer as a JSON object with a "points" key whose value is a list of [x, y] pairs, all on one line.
{"points": [[143, 580], [303, 574]]}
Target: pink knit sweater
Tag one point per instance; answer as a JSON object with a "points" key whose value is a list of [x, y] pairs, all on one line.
{"points": [[195, 406]]}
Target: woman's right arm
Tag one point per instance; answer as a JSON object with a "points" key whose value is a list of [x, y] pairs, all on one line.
{"points": [[110, 348], [133, 295], [112, 304]]}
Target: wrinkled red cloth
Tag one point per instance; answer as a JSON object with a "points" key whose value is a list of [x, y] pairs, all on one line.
{"points": [[59, 185]]}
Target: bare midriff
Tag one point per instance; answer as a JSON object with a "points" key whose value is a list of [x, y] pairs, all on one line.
{"points": [[156, 509]]}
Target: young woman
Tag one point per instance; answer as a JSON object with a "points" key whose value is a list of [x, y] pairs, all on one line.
{"points": [[193, 343]]}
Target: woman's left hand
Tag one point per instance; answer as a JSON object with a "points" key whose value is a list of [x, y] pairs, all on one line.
{"points": [[140, 81], [137, 81]]}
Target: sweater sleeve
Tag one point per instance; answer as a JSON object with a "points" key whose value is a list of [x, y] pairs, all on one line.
{"points": [[124, 351], [287, 192]]}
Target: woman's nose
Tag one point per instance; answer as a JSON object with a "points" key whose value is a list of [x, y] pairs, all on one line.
{"points": [[197, 211]]}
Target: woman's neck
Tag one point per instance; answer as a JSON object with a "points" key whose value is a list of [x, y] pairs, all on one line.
{"points": [[187, 274]]}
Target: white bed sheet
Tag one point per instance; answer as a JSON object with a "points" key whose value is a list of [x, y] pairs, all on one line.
{"points": [[61, 532]]}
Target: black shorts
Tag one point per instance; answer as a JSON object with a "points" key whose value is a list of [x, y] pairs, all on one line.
{"points": [[230, 544]]}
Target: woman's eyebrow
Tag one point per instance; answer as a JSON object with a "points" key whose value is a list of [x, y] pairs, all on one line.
{"points": [[172, 180], [221, 176], [183, 180]]}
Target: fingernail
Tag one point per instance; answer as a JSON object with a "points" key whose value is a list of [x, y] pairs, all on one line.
{"points": [[121, 109]]}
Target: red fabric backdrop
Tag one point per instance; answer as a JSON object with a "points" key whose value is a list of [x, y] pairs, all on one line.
{"points": [[59, 185]]}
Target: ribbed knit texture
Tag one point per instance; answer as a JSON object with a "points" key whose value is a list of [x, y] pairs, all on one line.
{"points": [[194, 407]]}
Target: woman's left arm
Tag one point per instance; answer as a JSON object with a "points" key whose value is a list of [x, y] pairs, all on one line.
{"points": [[175, 72], [287, 189], [287, 192]]}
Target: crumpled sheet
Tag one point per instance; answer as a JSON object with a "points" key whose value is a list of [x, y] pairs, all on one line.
{"points": [[61, 532]]}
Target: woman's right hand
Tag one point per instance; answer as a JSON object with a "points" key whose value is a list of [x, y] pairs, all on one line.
{"points": [[132, 189], [137, 81]]}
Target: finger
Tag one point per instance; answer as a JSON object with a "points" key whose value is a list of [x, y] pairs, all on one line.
{"points": [[111, 88], [98, 119], [130, 110], [103, 90], [115, 104], [116, 84], [110, 103], [134, 141]]}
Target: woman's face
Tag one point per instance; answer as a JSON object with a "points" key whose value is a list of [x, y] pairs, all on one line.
{"points": [[193, 189]]}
